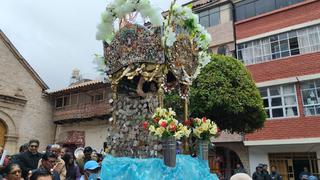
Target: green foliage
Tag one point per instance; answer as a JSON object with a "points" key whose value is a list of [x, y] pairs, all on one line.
{"points": [[173, 100], [225, 92]]}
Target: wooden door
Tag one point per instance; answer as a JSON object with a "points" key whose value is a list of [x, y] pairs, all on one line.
{"points": [[3, 131]]}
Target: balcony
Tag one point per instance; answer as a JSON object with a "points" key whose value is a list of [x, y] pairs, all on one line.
{"points": [[82, 112]]}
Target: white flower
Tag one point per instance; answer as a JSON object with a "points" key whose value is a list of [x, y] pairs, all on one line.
{"points": [[152, 129], [171, 38]]}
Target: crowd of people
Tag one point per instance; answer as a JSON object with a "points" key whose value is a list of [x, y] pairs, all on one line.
{"points": [[56, 163], [262, 173]]}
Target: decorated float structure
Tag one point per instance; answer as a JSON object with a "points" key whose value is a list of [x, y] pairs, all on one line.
{"points": [[142, 63]]}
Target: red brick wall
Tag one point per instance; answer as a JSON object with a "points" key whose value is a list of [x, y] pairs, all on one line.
{"points": [[302, 127], [288, 16], [287, 67]]}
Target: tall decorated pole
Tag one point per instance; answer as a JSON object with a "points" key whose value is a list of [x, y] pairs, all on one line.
{"points": [[141, 63]]}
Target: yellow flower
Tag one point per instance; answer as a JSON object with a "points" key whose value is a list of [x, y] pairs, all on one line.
{"points": [[205, 126], [178, 135], [214, 129], [152, 129], [159, 131]]}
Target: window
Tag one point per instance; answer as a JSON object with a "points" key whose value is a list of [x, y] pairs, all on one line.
{"points": [[98, 97], [74, 99], [59, 102], [281, 45], [249, 8], [280, 101], [62, 101], [311, 97], [210, 17]]}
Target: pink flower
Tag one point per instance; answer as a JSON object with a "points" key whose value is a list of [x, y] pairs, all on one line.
{"points": [[204, 119]]}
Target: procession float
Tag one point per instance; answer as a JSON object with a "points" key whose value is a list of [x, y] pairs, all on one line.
{"points": [[147, 53]]}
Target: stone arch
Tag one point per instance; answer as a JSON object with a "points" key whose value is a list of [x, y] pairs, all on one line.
{"points": [[236, 151], [11, 137], [9, 123]]}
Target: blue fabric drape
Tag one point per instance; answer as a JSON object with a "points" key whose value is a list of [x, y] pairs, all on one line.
{"points": [[187, 168]]}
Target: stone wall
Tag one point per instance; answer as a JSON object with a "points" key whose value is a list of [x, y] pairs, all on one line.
{"points": [[24, 108], [127, 137]]}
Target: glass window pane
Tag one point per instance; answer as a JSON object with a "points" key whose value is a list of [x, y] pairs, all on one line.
{"points": [[203, 13], [291, 111], [317, 83], [317, 110], [275, 47], [309, 97], [274, 91], [308, 85], [285, 53], [309, 110], [250, 10], [288, 89], [263, 6], [276, 102], [277, 112], [284, 45], [290, 100], [214, 10], [263, 92], [294, 46], [204, 21], [214, 19], [265, 103], [274, 38], [281, 3]]}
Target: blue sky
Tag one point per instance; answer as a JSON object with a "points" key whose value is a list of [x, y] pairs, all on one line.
{"points": [[57, 36]]}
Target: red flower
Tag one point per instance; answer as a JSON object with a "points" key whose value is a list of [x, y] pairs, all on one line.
{"points": [[145, 124], [204, 119], [156, 120], [164, 124], [173, 127], [187, 122]]}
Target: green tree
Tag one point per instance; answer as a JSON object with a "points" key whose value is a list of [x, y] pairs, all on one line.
{"points": [[225, 92]]}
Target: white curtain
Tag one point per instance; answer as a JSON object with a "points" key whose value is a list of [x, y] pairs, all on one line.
{"points": [[303, 41]]}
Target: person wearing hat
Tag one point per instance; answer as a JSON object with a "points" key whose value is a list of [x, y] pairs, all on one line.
{"points": [[91, 171]]}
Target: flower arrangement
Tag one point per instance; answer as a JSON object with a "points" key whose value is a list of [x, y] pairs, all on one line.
{"points": [[203, 129], [188, 22], [119, 10], [163, 124]]}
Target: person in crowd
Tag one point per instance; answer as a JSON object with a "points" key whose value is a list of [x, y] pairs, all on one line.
{"points": [[259, 175], [41, 174], [29, 160], [87, 157], [48, 148], [274, 174], [266, 172], [240, 176], [5, 163], [64, 150], [239, 169], [12, 172], [23, 148], [73, 171], [48, 162], [305, 173], [91, 170], [60, 167]]}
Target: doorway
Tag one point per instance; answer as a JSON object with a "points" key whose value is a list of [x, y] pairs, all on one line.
{"points": [[290, 165], [298, 166], [3, 132]]}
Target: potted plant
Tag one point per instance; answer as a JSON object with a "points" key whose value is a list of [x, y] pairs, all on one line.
{"points": [[164, 125], [203, 130]]}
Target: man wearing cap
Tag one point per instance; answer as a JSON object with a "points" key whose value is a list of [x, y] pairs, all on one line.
{"points": [[91, 171]]}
